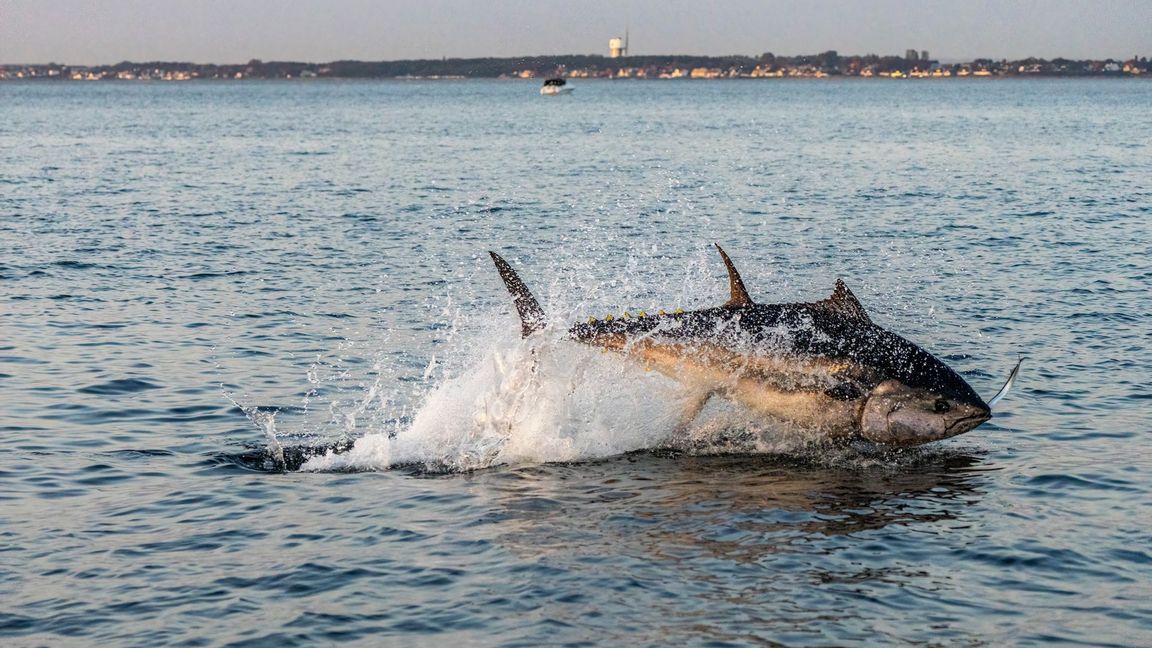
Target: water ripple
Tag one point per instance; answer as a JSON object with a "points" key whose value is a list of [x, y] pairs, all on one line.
{"points": [[203, 294]]}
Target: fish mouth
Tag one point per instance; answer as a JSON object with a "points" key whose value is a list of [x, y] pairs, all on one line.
{"points": [[962, 425]]}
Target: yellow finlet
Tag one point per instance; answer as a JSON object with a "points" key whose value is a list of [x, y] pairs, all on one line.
{"points": [[608, 317]]}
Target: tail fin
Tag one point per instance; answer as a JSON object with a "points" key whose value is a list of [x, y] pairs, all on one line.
{"points": [[531, 315]]}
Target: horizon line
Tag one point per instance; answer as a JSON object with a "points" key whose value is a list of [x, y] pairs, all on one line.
{"points": [[545, 56]]}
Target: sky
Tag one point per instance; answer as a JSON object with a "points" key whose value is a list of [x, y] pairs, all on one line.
{"points": [[233, 31]]}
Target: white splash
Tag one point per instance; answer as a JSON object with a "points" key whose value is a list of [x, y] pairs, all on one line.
{"points": [[526, 402], [267, 423]]}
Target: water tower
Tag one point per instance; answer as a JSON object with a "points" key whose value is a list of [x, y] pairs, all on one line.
{"points": [[618, 47]]}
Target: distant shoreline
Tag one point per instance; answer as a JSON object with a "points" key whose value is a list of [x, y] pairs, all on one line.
{"points": [[413, 79], [824, 65]]}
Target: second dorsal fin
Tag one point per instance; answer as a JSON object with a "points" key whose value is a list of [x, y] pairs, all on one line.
{"points": [[735, 284], [843, 302]]}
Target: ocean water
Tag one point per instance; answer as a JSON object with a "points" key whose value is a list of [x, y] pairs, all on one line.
{"points": [[260, 384]]}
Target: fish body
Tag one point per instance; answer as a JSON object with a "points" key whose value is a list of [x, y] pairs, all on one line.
{"points": [[822, 366]]}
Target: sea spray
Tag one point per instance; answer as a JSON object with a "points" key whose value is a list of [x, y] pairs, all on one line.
{"points": [[266, 421], [541, 400]]}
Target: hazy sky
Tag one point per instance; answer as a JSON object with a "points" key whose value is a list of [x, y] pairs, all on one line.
{"points": [[220, 31]]}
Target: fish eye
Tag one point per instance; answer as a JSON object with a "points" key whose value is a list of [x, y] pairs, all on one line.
{"points": [[941, 406]]}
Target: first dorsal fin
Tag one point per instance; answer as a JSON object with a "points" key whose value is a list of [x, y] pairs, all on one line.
{"points": [[735, 284], [843, 302], [531, 315]]}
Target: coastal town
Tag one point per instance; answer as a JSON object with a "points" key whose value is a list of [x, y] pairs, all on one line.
{"points": [[914, 64]]}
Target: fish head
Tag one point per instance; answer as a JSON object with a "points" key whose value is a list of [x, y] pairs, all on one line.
{"points": [[898, 413]]}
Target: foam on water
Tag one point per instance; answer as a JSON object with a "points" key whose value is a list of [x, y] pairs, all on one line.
{"points": [[540, 400]]}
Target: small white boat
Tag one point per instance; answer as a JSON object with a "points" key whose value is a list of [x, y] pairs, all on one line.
{"points": [[555, 86]]}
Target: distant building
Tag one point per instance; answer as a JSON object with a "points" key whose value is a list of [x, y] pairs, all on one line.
{"points": [[911, 55], [924, 55], [618, 47]]}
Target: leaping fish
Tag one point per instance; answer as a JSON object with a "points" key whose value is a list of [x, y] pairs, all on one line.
{"points": [[823, 366]]}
